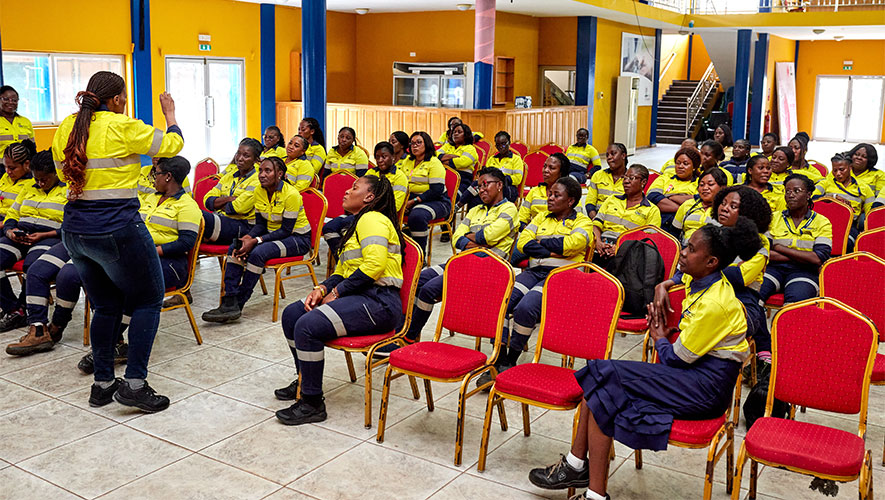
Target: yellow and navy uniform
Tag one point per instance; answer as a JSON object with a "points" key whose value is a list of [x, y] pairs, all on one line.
{"points": [[583, 156], [146, 183], [534, 203], [174, 223], [477, 136], [10, 189], [669, 166], [38, 208], [354, 161], [691, 216], [110, 192], [372, 255], [613, 217], [778, 179], [316, 153], [243, 187], [666, 185], [774, 195], [283, 211], [278, 151], [813, 234], [808, 171], [511, 164], [402, 159], [300, 173], [493, 226], [751, 270], [398, 181], [546, 235], [429, 177], [602, 185], [466, 156], [858, 195], [874, 178], [16, 131]]}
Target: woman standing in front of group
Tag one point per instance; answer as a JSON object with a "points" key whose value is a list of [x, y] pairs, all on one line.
{"points": [[97, 154]]}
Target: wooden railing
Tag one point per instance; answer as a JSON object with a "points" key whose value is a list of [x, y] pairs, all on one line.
{"points": [[535, 127]]}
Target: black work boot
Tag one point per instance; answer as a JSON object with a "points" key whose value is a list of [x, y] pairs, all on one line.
{"points": [[229, 310]]}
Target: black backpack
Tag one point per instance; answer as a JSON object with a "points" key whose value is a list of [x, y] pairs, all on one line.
{"points": [[639, 267]]}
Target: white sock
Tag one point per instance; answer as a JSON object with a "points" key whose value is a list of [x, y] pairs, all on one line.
{"points": [[592, 495], [575, 462]]}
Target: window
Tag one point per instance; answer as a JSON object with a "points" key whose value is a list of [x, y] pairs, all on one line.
{"points": [[48, 83]]}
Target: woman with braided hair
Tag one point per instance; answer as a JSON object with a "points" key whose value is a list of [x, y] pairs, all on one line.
{"points": [[360, 298], [96, 152], [17, 158]]}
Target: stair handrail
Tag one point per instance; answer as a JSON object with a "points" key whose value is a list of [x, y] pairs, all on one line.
{"points": [[695, 104], [670, 59]]}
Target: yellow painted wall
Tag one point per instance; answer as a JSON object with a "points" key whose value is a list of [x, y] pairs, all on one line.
{"points": [[700, 59], [779, 50], [557, 41], [44, 26], [677, 45], [341, 74], [516, 36], [825, 58], [288, 35]]}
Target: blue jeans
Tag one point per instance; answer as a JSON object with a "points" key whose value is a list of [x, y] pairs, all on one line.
{"points": [[120, 270]]}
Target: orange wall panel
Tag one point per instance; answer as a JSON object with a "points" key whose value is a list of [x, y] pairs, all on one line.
{"points": [[341, 70], [288, 40], [516, 36], [557, 41]]}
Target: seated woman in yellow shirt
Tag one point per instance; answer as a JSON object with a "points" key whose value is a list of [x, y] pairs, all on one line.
{"points": [[309, 128], [757, 177], [273, 143], [231, 203], [840, 184], [459, 153], [696, 212], [669, 191], [299, 169], [346, 156], [620, 213], [799, 145]]}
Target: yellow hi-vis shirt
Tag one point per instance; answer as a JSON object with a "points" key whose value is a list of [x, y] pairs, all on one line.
{"points": [[753, 270], [666, 185], [16, 131], [494, 226], [398, 181], [422, 175], [467, 155], [300, 173], [175, 215], [243, 188], [354, 161], [146, 183], [534, 203], [809, 171], [813, 234], [691, 216], [512, 166], [569, 237], [874, 178], [713, 321], [285, 203], [613, 217], [278, 151], [583, 156], [316, 154], [856, 194], [374, 249], [602, 184], [38, 207], [10, 189]]}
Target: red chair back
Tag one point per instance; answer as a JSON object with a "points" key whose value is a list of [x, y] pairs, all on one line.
{"points": [[872, 241], [201, 188], [437, 146], [822, 340], [413, 263], [480, 159], [677, 296], [315, 207], [476, 289], [840, 216], [668, 246], [453, 178], [484, 146], [205, 168], [858, 280], [520, 148], [551, 148], [334, 187], [315, 182], [568, 292], [875, 219], [651, 178], [534, 171], [820, 167]]}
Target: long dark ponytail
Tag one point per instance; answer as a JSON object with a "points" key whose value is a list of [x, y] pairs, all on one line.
{"points": [[384, 202], [102, 86]]}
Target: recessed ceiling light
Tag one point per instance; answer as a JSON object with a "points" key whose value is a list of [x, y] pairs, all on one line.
{"points": [[463, 6]]}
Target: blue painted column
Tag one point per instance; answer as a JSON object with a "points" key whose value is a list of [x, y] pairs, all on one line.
{"points": [[760, 65], [268, 66], [585, 67], [688, 68], [313, 60], [484, 54], [656, 85], [142, 91], [741, 84]]}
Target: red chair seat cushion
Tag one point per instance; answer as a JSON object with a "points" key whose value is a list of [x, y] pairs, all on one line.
{"points": [[632, 324], [879, 369], [523, 264], [284, 260], [696, 431], [19, 266], [437, 359], [776, 300], [810, 447], [549, 384], [213, 248], [359, 341], [437, 221]]}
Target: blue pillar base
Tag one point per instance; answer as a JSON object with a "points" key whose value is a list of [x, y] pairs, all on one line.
{"points": [[585, 68], [482, 85], [741, 84]]}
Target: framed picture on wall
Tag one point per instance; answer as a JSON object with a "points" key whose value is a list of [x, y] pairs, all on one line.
{"points": [[637, 59]]}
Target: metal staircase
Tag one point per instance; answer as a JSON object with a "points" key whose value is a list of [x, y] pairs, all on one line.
{"points": [[684, 105]]}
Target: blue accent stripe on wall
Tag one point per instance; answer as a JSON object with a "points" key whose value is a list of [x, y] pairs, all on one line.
{"points": [[688, 69], [313, 62], [140, 16], [653, 137], [268, 66], [760, 64], [741, 84], [585, 67]]}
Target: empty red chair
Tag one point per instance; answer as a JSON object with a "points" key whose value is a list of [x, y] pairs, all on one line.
{"points": [[205, 168], [551, 148], [806, 339], [486, 148], [568, 292], [820, 167], [534, 172], [520, 148], [651, 178], [202, 186], [875, 219], [840, 216], [872, 241]]}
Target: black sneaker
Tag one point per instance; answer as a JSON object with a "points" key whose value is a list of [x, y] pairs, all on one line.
{"points": [[100, 397], [87, 363], [145, 399], [302, 413], [12, 320], [445, 238], [487, 376], [288, 393], [560, 476]]}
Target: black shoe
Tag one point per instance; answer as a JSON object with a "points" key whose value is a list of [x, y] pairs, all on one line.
{"points": [[55, 332], [229, 310], [87, 363], [560, 476], [287, 393], [302, 413], [487, 376], [100, 397], [145, 399], [445, 238], [12, 320]]}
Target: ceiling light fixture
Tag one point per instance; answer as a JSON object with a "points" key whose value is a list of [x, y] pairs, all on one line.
{"points": [[838, 38], [463, 6], [818, 31], [361, 12]]}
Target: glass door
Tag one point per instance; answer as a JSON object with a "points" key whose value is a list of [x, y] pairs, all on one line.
{"points": [[428, 91], [849, 108]]}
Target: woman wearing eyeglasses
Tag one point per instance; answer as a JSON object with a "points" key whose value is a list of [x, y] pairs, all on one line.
{"points": [[13, 126]]}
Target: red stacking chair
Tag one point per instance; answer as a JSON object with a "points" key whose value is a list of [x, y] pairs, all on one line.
{"points": [[486, 148], [669, 248], [476, 290], [207, 249], [534, 171], [858, 280], [315, 207], [202, 186], [820, 167], [806, 339], [412, 264], [550, 148], [453, 178], [714, 434], [872, 241], [206, 167], [875, 219], [841, 216], [651, 178], [568, 291], [334, 187], [520, 148]]}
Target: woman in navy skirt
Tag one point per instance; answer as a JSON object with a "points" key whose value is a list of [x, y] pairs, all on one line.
{"points": [[636, 402]]}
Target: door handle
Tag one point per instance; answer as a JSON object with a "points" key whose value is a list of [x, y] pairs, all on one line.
{"points": [[210, 111]]}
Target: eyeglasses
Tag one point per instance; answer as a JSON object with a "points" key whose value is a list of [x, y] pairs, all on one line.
{"points": [[155, 173], [13, 100], [795, 191], [486, 184], [632, 178], [416, 144]]}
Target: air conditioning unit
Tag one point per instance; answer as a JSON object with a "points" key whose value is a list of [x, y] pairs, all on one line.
{"points": [[626, 111]]}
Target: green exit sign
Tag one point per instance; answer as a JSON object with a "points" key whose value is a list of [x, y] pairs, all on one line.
{"points": [[205, 47], [847, 67]]}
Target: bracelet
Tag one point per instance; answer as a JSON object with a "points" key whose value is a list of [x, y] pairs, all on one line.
{"points": [[321, 288]]}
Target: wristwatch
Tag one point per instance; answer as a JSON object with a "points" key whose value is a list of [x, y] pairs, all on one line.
{"points": [[259, 240]]}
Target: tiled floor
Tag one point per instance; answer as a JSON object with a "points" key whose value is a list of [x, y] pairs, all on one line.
{"points": [[220, 440]]}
